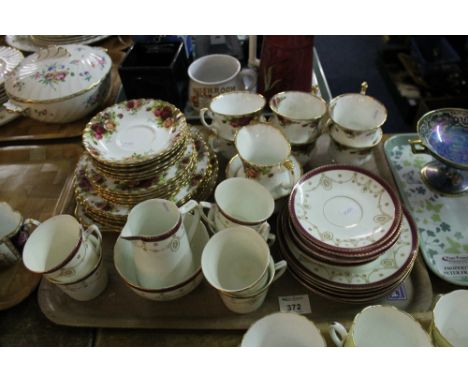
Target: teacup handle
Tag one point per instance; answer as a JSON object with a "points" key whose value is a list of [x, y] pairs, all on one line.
{"points": [[324, 124], [204, 216], [33, 222], [290, 167], [265, 233], [191, 205], [280, 268], [417, 146], [251, 76], [338, 333], [210, 127], [94, 230]]}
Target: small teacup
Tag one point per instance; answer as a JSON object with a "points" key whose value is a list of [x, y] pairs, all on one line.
{"points": [[298, 115], [355, 119], [236, 260], [264, 151], [380, 325], [449, 326], [230, 111], [161, 245], [90, 285], [283, 330], [216, 74], [242, 303], [62, 250], [240, 201], [13, 234]]}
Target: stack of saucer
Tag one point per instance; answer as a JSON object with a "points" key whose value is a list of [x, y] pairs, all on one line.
{"points": [[9, 59], [139, 150], [346, 236]]}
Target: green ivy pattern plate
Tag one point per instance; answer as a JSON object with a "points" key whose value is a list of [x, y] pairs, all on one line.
{"points": [[442, 221]]}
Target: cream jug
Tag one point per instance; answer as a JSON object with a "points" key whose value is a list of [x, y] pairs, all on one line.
{"points": [[160, 245]]}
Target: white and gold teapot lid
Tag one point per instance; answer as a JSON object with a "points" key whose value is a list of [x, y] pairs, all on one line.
{"points": [[57, 72]]}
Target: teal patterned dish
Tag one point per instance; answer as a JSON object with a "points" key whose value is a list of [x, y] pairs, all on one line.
{"points": [[441, 220]]}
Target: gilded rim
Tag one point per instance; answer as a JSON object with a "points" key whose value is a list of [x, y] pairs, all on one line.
{"points": [[263, 165], [333, 101], [351, 330], [180, 140], [346, 145], [350, 251], [260, 96], [274, 109]]}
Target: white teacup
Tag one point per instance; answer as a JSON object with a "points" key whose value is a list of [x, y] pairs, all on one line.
{"points": [[61, 250], [298, 115], [380, 325], [355, 119], [236, 260], [240, 201], [241, 303], [449, 326], [264, 151], [161, 245], [283, 330], [12, 225], [216, 74], [230, 111], [90, 285]]}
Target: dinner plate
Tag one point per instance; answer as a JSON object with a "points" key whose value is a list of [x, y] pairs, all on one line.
{"points": [[202, 177], [375, 274], [134, 132], [235, 169], [330, 257], [344, 208]]}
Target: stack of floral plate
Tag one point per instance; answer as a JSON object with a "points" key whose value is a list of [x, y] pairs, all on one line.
{"points": [[345, 235], [139, 150]]}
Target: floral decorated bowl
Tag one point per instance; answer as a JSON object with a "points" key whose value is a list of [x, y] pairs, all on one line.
{"points": [[59, 83], [444, 134]]}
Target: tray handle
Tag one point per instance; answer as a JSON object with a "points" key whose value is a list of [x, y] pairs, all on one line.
{"points": [[417, 146]]}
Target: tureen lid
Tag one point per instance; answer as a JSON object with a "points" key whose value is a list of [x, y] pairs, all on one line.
{"points": [[58, 72]]}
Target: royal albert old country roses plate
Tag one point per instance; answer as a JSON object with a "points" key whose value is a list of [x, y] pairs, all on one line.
{"points": [[134, 132], [344, 208]]}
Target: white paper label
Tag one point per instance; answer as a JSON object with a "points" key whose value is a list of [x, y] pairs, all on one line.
{"points": [[297, 304], [455, 266]]}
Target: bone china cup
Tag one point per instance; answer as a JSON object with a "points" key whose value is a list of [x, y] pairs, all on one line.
{"points": [[61, 250], [89, 286], [264, 151], [449, 325], [160, 242], [230, 111], [236, 260], [380, 325], [216, 74], [355, 119], [298, 115], [283, 330], [11, 224], [240, 201], [242, 303]]}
